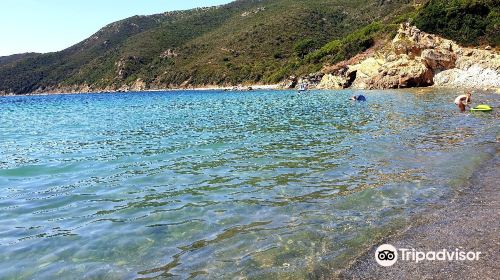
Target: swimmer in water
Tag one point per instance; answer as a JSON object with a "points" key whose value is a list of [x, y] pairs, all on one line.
{"points": [[463, 100], [358, 98]]}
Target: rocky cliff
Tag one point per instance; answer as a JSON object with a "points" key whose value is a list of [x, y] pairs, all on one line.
{"points": [[416, 59]]}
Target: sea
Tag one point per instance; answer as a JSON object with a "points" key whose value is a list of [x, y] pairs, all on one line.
{"points": [[225, 185]]}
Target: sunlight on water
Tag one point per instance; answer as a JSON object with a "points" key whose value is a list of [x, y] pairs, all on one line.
{"points": [[212, 184]]}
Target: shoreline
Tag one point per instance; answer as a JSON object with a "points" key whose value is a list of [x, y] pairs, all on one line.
{"points": [[208, 88], [241, 89], [469, 221]]}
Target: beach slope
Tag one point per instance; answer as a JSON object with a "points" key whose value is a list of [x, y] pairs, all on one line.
{"points": [[470, 222]]}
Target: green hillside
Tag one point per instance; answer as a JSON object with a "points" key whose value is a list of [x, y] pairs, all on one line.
{"points": [[246, 41], [4, 60], [469, 22]]}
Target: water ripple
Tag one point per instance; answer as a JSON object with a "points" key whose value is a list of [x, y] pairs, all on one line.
{"points": [[212, 184]]}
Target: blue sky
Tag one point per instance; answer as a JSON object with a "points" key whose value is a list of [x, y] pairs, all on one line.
{"points": [[53, 25]]}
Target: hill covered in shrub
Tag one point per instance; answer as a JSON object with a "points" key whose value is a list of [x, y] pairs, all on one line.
{"points": [[244, 42]]}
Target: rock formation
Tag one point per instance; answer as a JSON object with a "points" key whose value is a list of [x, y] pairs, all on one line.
{"points": [[474, 68], [417, 59], [289, 83], [330, 81], [401, 73]]}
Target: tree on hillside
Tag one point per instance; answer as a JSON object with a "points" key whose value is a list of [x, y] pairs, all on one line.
{"points": [[303, 47]]}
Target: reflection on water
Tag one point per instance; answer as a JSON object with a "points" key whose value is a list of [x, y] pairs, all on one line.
{"points": [[212, 184]]}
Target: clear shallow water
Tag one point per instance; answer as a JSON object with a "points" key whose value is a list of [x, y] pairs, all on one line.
{"points": [[214, 184]]}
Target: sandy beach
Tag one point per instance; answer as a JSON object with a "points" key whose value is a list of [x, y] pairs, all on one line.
{"points": [[470, 222]]}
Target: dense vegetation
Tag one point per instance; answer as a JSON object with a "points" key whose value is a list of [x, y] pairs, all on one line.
{"points": [[246, 41], [15, 58], [468, 22]]}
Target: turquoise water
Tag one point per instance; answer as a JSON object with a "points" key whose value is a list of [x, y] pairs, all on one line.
{"points": [[222, 184]]}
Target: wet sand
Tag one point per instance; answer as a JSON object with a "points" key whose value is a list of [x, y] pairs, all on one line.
{"points": [[470, 222]]}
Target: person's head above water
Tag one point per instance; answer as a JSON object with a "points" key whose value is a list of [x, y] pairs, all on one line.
{"points": [[358, 98]]}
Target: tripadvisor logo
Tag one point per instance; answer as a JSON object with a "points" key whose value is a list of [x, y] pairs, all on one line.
{"points": [[387, 255]]}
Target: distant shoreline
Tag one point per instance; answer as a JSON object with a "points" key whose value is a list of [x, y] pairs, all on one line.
{"points": [[231, 88], [207, 88]]}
